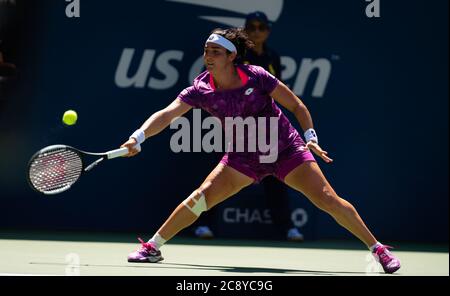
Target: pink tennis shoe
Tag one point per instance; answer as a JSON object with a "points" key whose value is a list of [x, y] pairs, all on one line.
{"points": [[389, 262], [147, 253]]}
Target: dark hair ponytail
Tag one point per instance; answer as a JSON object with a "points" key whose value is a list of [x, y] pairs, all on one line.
{"points": [[239, 38]]}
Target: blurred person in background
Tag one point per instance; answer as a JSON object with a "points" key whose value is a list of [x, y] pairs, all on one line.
{"points": [[9, 36], [8, 15]]}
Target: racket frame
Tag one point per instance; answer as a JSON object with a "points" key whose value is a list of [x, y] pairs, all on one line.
{"points": [[84, 168]]}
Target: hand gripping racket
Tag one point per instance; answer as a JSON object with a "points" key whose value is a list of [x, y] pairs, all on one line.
{"points": [[56, 168]]}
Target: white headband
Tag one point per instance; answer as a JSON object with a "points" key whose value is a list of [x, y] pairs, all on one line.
{"points": [[222, 41]]}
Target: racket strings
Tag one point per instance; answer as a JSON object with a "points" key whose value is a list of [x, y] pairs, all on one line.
{"points": [[55, 170]]}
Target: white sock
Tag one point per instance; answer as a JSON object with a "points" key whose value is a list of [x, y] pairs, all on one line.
{"points": [[157, 240], [372, 248]]}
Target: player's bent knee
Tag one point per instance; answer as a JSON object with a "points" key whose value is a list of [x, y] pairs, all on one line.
{"points": [[196, 203], [330, 202]]}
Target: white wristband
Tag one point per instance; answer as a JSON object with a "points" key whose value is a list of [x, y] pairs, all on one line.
{"points": [[310, 135], [139, 135]]}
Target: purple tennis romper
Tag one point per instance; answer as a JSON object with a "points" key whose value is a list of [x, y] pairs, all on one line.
{"points": [[251, 100]]}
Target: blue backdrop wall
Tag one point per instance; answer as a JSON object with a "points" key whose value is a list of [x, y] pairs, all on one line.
{"points": [[377, 89]]}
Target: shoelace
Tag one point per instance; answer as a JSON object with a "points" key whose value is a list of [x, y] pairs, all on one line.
{"points": [[383, 253], [144, 245]]}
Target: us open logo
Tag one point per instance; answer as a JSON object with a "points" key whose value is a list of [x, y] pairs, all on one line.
{"points": [[296, 72]]}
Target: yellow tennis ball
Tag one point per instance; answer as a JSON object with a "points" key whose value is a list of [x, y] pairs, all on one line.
{"points": [[70, 117]]}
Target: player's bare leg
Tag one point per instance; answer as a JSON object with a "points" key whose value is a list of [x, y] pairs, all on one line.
{"points": [[309, 179], [221, 183]]}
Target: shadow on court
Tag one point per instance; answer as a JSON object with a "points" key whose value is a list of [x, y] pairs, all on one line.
{"points": [[219, 268], [100, 254]]}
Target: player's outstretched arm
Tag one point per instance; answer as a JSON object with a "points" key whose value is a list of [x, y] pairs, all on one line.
{"points": [[155, 124]]}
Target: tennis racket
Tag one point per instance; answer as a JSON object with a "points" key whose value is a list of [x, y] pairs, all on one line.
{"points": [[54, 169]]}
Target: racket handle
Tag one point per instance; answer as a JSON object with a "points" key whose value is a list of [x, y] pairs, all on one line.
{"points": [[117, 153]]}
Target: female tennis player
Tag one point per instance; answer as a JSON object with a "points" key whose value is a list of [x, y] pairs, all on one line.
{"points": [[227, 89]]}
